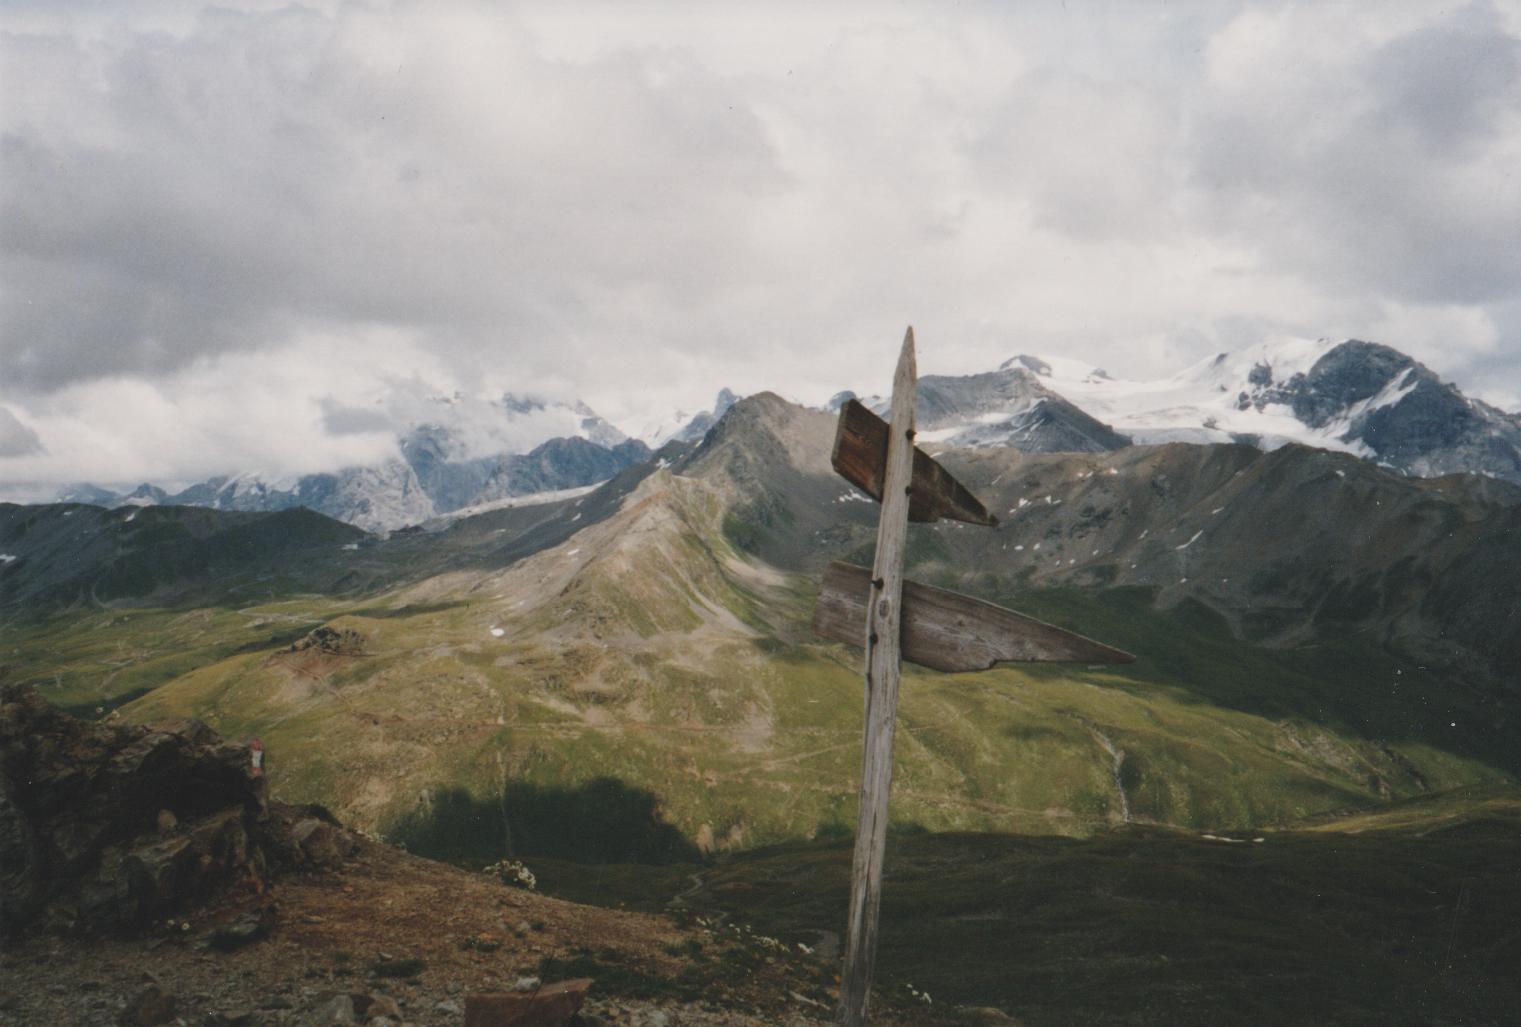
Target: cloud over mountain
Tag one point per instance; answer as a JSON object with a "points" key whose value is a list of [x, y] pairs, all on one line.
{"points": [[639, 206]]}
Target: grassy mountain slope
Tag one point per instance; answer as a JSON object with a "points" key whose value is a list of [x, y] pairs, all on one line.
{"points": [[74, 554], [655, 634]]}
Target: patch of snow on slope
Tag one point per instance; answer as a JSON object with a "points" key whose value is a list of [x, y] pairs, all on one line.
{"points": [[1388, 396], [532, 499]]}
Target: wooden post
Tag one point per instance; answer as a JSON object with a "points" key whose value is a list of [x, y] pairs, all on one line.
{"points": [[883, 667], [905, 620]]}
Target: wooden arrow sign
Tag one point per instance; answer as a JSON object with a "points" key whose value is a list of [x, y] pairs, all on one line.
{"points": [[948, 631], [860, 456], [897, 620]]}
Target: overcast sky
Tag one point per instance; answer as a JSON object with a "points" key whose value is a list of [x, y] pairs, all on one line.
{"points": [[219, 224]]}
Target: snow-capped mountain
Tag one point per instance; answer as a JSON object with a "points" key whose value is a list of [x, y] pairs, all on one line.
{"points": [[462, 452], [1345, 395], [378, 498], [1349, 395], [1231, 397], [458, 452], [1007, 407], [680, 426]]}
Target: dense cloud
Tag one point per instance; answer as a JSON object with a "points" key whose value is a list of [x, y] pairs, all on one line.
{"points": [[292, 208], [16, 439]]}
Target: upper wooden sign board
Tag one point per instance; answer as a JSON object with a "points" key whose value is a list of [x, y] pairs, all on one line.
{"points": [[860, 456]]}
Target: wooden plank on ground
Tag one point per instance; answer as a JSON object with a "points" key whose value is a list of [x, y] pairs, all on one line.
{"points": [[860, 456], [949, 631]]}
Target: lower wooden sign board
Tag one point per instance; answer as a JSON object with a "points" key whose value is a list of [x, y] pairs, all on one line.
{"points": [[948, 631]]}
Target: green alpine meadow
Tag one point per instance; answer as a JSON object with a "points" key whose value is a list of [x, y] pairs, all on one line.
{"points": [[622, 690]]}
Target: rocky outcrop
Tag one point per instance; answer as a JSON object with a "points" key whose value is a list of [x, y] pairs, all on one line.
{"points": [[107, 828], [331, 641]]}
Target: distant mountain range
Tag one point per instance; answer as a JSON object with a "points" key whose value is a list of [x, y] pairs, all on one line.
{"points": [[1351, 396], [1322, 644], [1314, 633], [466, 455]]}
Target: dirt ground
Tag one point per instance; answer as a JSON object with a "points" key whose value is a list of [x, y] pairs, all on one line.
{"points": [[425, 935]]}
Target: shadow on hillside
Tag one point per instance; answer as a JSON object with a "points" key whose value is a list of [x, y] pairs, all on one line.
{"points": [[1409, 919], [602, 821]]}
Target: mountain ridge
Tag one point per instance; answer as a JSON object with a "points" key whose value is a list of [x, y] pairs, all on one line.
{"points": [[1334, 640], [1361, 397], [1351, 396]]}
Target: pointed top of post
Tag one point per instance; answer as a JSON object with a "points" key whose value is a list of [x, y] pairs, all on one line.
{"points": [[907, 369]]}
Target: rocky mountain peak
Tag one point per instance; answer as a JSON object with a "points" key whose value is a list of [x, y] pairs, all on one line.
{"points": [[1026, 362], [1011, 406], [1352, 395]]}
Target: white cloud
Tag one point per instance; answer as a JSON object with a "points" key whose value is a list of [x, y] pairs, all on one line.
{"points": [[16, 439], [1436, 334], [258, 411], [637, 204]]}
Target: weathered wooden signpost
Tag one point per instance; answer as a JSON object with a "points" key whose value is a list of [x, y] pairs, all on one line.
{"points": [[906, 620]]}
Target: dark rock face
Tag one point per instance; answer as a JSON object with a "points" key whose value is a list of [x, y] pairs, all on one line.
{"points": [[450, 484], [1350, 373], [107, 828], [1421, 426], [560, 464]]}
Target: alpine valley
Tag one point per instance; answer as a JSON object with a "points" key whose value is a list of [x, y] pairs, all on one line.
{"points": [[594, 655]]}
